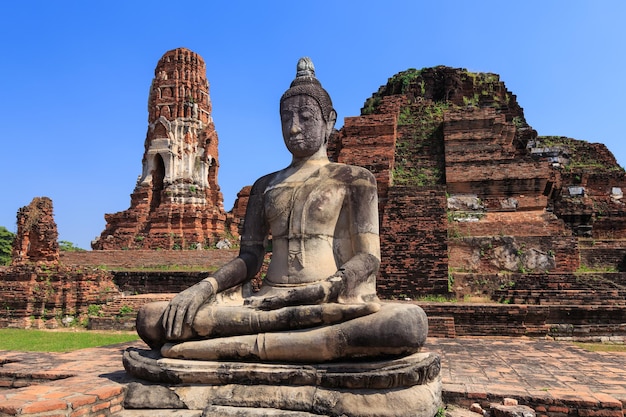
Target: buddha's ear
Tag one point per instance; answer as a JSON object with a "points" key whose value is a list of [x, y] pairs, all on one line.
{"points": [[330, 124]]}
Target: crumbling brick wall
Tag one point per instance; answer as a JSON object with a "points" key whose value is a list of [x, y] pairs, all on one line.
{"points": [[36, 239], [492, 254], [603, 255], [39, 295]]}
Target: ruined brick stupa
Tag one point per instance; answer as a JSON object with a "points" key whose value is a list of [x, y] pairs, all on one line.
{"points": [[177, 203], [37, 236], [469, 190]]}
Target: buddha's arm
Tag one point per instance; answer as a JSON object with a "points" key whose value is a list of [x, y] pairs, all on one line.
{"points": [[252, 247], [359, 272], [182, 310]]}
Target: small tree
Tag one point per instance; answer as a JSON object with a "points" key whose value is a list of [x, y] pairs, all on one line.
{"points": [[6, 244], [66, 246]]}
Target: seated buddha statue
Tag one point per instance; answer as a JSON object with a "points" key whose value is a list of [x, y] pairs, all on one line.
{"points": [[317, 302]]}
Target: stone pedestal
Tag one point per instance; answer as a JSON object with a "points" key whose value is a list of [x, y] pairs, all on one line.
{"points": [[407, 386]]}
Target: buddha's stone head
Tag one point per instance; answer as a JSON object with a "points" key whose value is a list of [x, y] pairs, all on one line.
{"points": [[306, 112]]}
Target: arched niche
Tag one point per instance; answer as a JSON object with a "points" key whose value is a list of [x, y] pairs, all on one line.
{"points": [[160, 131], [165, 111], [158, 175]]}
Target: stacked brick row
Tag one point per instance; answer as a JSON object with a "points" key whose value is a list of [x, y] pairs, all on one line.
{"points": [[492, 319], [138, 282], [599, 289], [369, 141], [611, 259], [413, 243], [512, 223], [35, 295], [481, 158], [585, 322], [122, 259], [609, 213]]}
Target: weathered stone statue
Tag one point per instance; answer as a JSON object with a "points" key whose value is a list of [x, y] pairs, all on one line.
{"points": [[318, 302], [323, 219]]}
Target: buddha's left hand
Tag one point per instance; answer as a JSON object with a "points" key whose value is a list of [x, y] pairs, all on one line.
{"points": [[315, 293], [183, 308]]}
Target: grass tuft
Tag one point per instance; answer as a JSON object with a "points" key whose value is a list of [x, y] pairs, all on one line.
{"points": [[59, 341], [601, 347]]}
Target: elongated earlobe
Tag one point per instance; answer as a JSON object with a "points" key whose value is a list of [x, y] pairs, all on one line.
{"points": [[330, 124]]}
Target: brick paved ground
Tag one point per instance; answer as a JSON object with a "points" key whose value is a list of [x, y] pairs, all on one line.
{"points": [[557, 376]]}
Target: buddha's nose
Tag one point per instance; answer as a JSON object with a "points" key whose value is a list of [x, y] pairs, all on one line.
{"points": [[295, 128]]}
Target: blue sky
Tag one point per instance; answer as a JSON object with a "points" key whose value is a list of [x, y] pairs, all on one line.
{"points": [[76, 76]]}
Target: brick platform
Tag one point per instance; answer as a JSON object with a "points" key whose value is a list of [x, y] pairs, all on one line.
{"points": [[87, 382], [557, 379]]}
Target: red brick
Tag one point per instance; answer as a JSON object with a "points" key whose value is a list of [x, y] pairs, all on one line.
{"points": [[600, 413], [80, 400], [482, 395], [101, 406], [80, 412], [11, 407], [558, 409], [607, 401], [43, 406], [106, 392]]}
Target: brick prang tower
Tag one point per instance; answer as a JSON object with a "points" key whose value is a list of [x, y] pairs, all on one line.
{"points": [[177, 203]]}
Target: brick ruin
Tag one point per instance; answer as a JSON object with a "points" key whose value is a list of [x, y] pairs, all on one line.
{"points": [[37, 236], [38, 290], [177, 203], [467, 186]]}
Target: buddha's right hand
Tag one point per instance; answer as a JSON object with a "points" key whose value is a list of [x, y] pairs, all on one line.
{"points": [[183, 308], [315, 293]]}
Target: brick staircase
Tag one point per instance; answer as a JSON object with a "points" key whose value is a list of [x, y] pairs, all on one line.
{"points": [[600, 289]]}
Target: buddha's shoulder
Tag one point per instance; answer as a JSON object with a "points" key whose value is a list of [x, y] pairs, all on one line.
{"points": [[350, 174], [262, 183]]}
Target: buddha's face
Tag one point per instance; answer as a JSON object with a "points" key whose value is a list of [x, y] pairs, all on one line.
{"points": [[304, 128]]}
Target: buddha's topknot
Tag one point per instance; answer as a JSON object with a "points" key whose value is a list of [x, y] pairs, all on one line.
{"points": [[306, 83]]}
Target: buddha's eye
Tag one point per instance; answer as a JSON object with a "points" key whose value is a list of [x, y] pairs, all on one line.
{"points": [[307, 115]]}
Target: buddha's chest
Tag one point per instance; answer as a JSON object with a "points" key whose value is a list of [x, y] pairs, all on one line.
{"points": [[304, 208]]}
